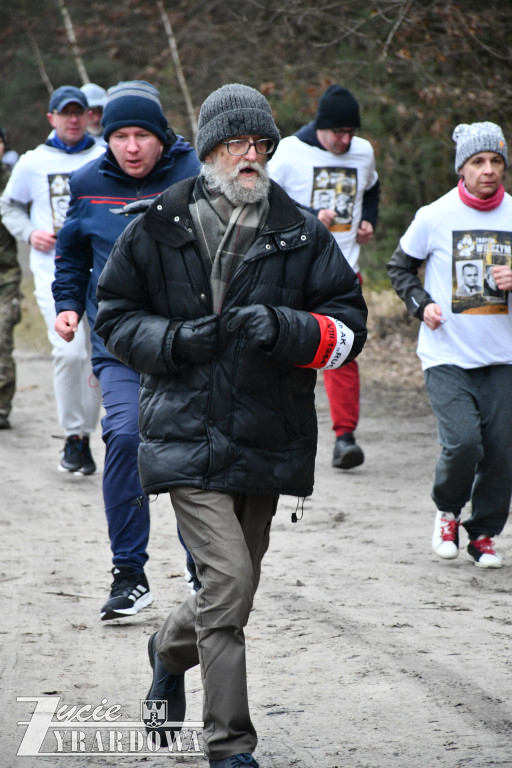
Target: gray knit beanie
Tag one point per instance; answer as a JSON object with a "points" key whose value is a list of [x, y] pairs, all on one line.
{"points": [[473, 138], [134, 103], [231, 111]]}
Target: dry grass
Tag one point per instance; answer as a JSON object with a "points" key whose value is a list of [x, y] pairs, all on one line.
{"points": [[389, 357], [30, 333]]}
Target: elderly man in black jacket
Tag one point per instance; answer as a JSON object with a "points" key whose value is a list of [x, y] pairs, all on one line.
{"points": [[227, 297]]}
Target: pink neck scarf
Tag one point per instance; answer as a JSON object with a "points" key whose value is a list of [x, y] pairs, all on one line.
{"points": [[489, 204]]}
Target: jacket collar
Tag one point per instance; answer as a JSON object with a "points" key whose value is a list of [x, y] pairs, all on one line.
{"points": [[170, 213]]}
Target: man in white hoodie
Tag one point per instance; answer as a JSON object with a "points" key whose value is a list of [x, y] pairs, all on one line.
{"points": [[33, 207]]}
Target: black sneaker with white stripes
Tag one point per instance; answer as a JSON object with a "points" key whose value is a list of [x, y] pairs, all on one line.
{"points": [[129, 594]]}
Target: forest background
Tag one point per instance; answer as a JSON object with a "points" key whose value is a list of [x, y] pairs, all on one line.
{"points": [[417, 67]]}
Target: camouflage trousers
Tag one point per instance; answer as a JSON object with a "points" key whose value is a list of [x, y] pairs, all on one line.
{"points": [[10, 314]]}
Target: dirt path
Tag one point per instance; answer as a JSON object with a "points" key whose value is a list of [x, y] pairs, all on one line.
{"points": [[364, 650]]}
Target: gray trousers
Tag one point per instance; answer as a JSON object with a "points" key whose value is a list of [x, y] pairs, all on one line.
{"points": [[227, 536], [474, 414]]}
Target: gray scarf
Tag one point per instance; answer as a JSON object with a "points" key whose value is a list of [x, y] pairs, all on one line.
{"points": [[225, 234]]}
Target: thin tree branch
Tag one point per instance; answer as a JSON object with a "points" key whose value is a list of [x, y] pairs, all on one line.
{"points": [[70, 32], [177, 65], [39, 58], [404, 10]]}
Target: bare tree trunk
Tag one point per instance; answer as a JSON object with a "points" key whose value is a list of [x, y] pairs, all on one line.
{"points": [[40, 63], [177, 64], [70, 32]]}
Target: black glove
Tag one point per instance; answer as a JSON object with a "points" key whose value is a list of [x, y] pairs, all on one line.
{"points": [[195, 341], [259, 323]]}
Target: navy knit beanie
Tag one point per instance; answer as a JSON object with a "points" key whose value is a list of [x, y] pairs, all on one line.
{"points": [[137, 103], [231, 111], [337, 109]]}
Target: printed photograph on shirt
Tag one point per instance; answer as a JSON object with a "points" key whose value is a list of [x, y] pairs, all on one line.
{"points": [[475, 254], [59, 198], [335, 188]]}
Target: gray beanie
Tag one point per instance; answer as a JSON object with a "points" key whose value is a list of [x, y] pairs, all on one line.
{"points": [[478, 137], [231, 111]]}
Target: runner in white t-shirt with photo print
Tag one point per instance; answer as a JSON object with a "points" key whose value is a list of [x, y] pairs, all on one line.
{"points": [[327, 168], [465, 339]]}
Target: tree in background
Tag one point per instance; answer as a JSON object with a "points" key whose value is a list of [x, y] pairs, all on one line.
{"points": [[418, 67]]}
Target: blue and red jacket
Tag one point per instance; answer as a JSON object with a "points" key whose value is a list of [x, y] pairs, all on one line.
{"points": [[92, 226]]}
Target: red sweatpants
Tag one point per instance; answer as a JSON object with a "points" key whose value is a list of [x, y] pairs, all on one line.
{"points": [[342, 387]]}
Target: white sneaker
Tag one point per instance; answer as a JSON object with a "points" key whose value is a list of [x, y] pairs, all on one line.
{"points": [[483, 553], [445, 539]]}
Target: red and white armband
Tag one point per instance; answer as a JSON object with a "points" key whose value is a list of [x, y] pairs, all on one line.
{"points": [[336, 341]]}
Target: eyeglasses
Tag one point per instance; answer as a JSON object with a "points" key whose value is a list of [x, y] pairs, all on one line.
{"points": [[239, 147], [341, 131], [68, 114]]}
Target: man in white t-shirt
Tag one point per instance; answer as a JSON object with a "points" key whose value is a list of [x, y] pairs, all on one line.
{"points": [[465, 339], [33, 207], [327, 168]]}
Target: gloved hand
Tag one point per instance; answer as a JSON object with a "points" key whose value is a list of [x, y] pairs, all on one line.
{"points": [[195, 341], [259, 323]]}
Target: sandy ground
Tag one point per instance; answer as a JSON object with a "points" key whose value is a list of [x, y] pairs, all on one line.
{"points": [[364, 649]]}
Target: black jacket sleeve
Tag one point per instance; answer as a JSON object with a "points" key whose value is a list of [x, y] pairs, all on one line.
{"points": [[370, 210], [403, 272]]}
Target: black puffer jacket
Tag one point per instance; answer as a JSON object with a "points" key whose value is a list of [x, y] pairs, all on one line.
{"points": [[246, 420]]}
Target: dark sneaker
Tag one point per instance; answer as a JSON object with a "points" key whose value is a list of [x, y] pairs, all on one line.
{"points": [[235, 761], [347, 454], [168, 688], [129, 594], [484, 554], [88, 466], [71, 456], [4, 422], [445, 538], [191, 576]]}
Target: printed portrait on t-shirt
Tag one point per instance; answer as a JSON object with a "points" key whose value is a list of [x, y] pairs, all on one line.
{"points": [[339, 187], [475, 254], [469, 277], [58, 184], [323, 198], [491, 290]]}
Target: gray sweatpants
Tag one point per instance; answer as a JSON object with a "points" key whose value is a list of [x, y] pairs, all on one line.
{"points": [[474, 414], [227, 535]]}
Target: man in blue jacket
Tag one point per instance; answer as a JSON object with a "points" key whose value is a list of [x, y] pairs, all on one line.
{"points": [[143, 158]]}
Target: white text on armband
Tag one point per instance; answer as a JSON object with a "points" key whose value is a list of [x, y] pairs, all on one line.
{"points": [[342, 344]]}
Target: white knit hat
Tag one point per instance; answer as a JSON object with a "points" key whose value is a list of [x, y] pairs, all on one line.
{"points": [[478, 137]]}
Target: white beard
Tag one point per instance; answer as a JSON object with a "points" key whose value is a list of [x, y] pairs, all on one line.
{"points": [[229, 185]]}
